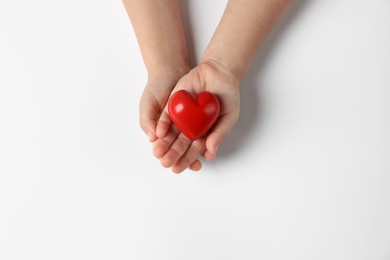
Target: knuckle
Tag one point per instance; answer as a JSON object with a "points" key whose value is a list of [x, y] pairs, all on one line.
{"points": [[199, 146], [183, 141]]}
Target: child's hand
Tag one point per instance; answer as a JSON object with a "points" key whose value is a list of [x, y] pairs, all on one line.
{"points": [[155, 97], [176, 150], [153, 100]]}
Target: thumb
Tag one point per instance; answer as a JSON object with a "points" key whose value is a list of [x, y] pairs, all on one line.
{"points": [[148, 113], [218, 133]]}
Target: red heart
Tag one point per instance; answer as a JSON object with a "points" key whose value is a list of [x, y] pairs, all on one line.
{"points": [[193, 116]]}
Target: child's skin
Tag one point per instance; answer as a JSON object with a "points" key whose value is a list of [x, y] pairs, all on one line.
{"points": [[159, 30]]}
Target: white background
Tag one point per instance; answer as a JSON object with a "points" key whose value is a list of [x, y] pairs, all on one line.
{"points": [[304, 175]]}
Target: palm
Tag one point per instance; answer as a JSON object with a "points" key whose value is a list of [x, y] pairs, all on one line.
{"points": [[207, 78], [176, 150]]}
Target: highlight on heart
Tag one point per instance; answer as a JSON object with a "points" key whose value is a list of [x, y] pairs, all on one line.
{"points": [[193, 115]]}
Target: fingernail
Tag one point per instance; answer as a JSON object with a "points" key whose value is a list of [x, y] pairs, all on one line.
{"points": [[150, 135]]}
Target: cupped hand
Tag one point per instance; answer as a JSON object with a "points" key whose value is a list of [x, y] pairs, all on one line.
{"points": [[155, 97], [173, 148], [153, 101]]}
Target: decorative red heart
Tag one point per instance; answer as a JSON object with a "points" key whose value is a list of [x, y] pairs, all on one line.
{"points": [[193, 116]]}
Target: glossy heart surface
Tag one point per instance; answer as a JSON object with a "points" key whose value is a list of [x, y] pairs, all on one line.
{"points": [[193, 115]]}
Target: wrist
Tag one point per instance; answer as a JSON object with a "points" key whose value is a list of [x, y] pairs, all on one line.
{"points": [[174, 72], [221, 67], [216, 54]]}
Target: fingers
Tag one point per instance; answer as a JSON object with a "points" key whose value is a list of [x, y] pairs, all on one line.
{"points": [[196, 149], [208, 156], [218, 133], [177, 149], [163, 125], [162, 145], [149, 111], [148, 125], [196, 166]]}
